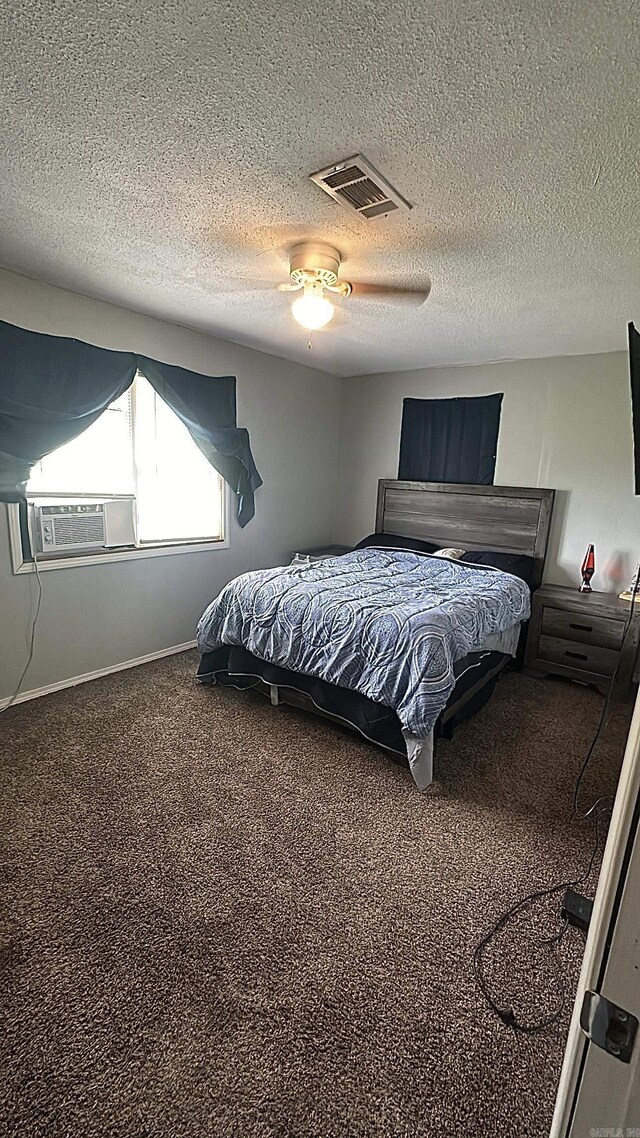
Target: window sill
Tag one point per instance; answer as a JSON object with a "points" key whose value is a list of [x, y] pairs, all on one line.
{"points": [[98, 557]]}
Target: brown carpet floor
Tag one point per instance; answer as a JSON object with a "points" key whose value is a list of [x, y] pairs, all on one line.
{"points": [[221, 918]]}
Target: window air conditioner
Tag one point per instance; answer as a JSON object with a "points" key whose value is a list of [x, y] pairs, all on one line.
{"points": [[78, 526]]}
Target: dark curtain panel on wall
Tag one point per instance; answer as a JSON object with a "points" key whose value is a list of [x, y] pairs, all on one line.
{"points": [[53, 388], [207, 407], [450, 440], [634, 367]]}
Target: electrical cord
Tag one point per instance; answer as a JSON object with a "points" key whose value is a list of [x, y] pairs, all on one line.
{"points": [[598, 809], [507, 1015], [603, 715], [32, 638]]}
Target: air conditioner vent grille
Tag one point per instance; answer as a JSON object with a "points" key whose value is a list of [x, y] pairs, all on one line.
{"points": [[363, 193], [78, 529], [358, 186], [351, 174]]}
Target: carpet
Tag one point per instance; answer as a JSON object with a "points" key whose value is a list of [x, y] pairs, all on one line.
{"points": [[222, 918]]}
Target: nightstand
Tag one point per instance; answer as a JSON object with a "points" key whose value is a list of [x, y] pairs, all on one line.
{"points": [[320, 553], [580, 636]]}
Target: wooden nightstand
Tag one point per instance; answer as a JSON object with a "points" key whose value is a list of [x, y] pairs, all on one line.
{"points": [[321, 552], [580, 636]]}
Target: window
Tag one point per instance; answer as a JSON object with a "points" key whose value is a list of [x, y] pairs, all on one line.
{"points": [[138, 447], [99, 461]]}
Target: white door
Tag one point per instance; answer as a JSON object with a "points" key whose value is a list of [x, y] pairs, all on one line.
{"points": [[599, 1092]]}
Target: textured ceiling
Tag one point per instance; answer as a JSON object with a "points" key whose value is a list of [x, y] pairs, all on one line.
{"points": [[155, 155]]}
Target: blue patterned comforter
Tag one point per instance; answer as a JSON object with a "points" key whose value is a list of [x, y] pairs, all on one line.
{"points": [[386, 623]]}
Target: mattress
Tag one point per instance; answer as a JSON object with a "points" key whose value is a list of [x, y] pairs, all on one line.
{"points": [[387, 624]]}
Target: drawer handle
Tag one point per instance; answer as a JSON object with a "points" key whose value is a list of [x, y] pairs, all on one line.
{"points": [[576, 655], [582, 627]]}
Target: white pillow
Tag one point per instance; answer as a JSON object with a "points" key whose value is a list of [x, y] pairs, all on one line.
{"points": [[456, 554]]}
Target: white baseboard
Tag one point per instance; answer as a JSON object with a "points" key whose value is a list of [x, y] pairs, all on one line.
{"points": [[72, 681]]}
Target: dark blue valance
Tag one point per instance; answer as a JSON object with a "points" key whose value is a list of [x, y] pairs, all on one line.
{"points": [[52, 388]]}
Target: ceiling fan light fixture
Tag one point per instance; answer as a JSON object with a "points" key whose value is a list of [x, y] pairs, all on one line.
{"points": [[313, 310]]}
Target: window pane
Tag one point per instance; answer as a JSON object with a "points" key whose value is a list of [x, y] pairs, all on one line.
{"points": [[179, 495], [99, 461], [149, 454]]}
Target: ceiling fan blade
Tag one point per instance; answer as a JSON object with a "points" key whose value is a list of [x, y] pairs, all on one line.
{"points": [[390, 294], [288, 287]]}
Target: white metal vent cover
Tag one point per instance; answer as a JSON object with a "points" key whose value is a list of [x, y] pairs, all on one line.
{"points": [[358, 186]]}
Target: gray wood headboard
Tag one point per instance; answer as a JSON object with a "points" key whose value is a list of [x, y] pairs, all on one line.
{"points": [[511, 519]]}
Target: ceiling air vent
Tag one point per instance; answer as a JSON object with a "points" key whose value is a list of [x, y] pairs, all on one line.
{"points": [[358, 186]]}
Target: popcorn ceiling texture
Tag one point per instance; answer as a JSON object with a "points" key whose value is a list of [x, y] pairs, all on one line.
{"points": [[154, 154]]}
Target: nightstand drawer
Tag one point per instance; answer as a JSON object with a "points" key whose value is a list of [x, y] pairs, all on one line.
{"points": [[582, 629], [580, 657]]}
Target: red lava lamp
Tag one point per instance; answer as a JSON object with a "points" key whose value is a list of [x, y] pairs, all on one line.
{"points": [[588, 569]]}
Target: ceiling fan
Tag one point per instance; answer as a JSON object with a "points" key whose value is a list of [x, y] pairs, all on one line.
{"points": [[314, 267]]}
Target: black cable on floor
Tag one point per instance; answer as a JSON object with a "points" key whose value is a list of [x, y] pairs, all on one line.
{"points": [[598, 809], [507, 1015], [603, 715]]}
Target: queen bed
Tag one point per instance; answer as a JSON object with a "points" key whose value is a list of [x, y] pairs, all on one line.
{"points": [[402, 638]]}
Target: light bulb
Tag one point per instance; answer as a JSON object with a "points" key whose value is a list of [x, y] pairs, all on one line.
{"points": [[312, 310]]}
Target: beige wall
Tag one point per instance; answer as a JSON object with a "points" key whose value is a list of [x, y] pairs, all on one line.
{"points": [[566, 423], [95, 616]]}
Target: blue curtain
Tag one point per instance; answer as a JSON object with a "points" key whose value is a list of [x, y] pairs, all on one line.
{"points": [[450, 440], [53, 388], [207, 407]]}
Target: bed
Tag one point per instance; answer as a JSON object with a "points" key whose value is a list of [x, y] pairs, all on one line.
{"points": [[394, 640]]}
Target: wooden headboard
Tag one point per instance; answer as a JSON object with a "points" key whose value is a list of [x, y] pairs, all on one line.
{"points": [[511, 519]]}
